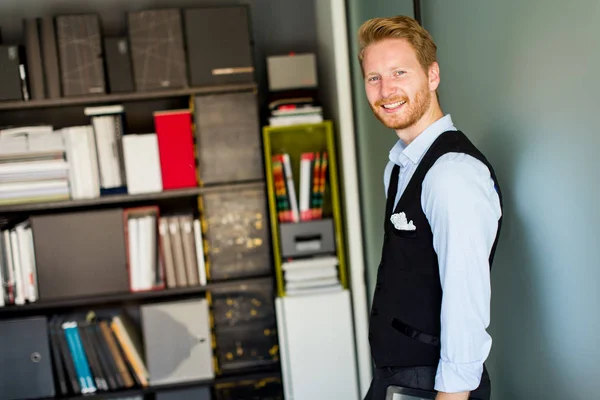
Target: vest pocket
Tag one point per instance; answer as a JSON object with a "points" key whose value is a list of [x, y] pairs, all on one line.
{"points": [[414, 333], [404, 234]]}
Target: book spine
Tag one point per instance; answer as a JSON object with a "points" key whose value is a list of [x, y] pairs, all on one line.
{"points": [[68, 329]]}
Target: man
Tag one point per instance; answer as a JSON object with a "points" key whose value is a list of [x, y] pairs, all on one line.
{"points": [[431, 305]]}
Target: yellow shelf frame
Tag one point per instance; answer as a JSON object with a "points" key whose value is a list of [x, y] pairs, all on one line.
{"points": [[295, 140]]}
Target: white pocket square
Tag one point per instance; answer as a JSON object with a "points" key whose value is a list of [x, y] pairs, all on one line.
{"points": [[401, 223]]}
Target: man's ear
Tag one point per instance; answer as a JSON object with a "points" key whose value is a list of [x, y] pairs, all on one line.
{"points": [[434, 76]]}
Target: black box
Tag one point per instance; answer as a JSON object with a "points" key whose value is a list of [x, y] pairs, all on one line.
{"points": [[307, 238], [219, 45], [240, 349], [195, 393], [264, 389], [157, 49], [79, 39], [245, 327], [244, 305], [25, 359], [237, 233], [80, 254]]}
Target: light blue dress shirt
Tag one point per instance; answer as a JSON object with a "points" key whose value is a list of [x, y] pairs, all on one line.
{"points": [[463, 208]]}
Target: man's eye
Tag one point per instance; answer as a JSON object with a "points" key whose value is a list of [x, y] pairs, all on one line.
{"points": [[373, 78], [399, 73]]}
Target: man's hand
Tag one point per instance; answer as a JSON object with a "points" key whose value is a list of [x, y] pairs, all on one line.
{"points": [[452, 396]]}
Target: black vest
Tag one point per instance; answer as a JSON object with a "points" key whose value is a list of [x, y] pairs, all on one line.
{"points": [[404, 326]]}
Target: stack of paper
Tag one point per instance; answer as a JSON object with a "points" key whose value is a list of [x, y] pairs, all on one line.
{"points": [[311, 275], [32, 165]]}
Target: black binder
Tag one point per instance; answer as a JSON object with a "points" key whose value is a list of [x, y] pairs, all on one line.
{"points": [[219, 45], [50, 57], [25, 359], [35, 67], [12, 72], [118, 65]]}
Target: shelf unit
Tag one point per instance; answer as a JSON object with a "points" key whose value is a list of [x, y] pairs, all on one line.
{"points": [[331, 371], [296, 140], [194, 195]]}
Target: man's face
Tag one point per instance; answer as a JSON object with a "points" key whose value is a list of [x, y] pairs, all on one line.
{"points": [[396, 85]]}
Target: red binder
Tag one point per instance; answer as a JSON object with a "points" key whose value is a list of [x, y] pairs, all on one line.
{"points": [[176, 148]]}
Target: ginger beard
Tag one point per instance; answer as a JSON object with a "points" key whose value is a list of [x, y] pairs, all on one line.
{"points": [[407, 114]]}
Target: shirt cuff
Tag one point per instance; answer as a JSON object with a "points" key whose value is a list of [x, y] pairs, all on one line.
{"points": [[456, 378]]}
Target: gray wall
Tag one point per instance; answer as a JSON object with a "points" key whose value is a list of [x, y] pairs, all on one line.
{"points": [[521, 79], [373, 140]]}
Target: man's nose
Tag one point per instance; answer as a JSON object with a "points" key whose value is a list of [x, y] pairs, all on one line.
{"points": [[387, 88]]}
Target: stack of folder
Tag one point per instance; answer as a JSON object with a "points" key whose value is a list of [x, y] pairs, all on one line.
{"points": [[182, 247]]}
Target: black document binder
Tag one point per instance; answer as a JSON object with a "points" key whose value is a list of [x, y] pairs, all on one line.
{"points": [[219, 45]]}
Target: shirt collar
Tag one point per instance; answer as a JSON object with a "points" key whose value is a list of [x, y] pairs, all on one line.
{"points": [[402, 154]]}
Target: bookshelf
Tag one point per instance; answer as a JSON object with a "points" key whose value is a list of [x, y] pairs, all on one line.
{"points": [[310, 263], [220, 293]]}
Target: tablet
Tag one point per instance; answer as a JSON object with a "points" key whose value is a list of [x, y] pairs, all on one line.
{"points": [[401, 393]]}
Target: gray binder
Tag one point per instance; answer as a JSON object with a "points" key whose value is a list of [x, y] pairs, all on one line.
{"points": [[177, 341], [229, 149], [79, 39], [157, 49], [25, 359]]}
